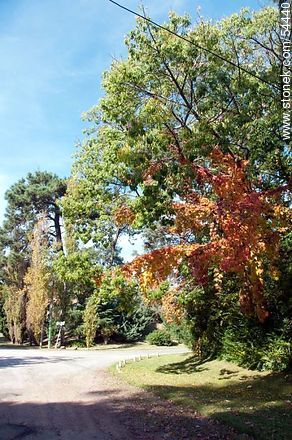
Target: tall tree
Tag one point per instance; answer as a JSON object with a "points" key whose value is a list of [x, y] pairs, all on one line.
{"points": [[37, 281], [38, 193], [187, 142], [171, 93]]}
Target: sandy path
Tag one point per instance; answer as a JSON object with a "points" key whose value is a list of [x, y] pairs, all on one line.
{"points": [[68, 395], [61, 395]]}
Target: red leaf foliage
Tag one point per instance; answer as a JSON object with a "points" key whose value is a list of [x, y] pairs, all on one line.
{"points": [[242, 223]]}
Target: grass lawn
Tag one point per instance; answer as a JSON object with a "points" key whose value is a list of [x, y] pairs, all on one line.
{"points": [[256, 403], [119, 346], [4, 343]]}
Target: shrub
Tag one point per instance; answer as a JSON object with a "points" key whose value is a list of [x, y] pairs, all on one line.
{"points": [[159, 337], [276, 354], [256, 350], [181, 332], [240, 350], [134, 325], [78, 344], [106, 328]]}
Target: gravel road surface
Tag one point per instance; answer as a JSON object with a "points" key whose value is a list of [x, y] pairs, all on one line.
{"points": [[67, 395]]}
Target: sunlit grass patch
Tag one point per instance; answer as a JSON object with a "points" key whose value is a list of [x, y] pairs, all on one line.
{"points": [[256, 403]]}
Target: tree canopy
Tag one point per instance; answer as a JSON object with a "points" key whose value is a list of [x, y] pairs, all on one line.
{"points": [[168, 98], [31, 198], [186, 148]]}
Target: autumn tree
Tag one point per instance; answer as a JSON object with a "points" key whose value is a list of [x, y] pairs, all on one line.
{"points": [[37, 282], [186, 148], [38, 193], [241, 229], [171, 92]]}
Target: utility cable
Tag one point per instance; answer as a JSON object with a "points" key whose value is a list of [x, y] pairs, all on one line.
{"points": [[254, 75]]}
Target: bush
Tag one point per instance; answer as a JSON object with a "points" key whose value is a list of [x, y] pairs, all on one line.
{"points": [[181, 333], [240, 350], [134, 325], [276, 354], [106, 328], [256, 350], [159, 337], [78, 344]]}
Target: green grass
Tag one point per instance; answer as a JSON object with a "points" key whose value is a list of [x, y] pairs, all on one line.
{"points": [[4, 343], [256, 403], [131, 346]]}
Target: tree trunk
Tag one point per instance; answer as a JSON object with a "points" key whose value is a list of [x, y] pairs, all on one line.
{"points": [[57, 226], [50, 312], [42, 335]]}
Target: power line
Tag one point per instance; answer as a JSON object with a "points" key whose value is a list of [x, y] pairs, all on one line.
{"points": [[254, 75]]}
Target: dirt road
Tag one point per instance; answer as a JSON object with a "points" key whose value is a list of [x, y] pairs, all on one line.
{"points": [[65, 395], [69, 395]]}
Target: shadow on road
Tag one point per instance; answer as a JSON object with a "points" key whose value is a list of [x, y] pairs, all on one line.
{"points": [[108, 415], [6, 362], [112, 414]]}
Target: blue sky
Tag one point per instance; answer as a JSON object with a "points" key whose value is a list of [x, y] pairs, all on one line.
{"points": [[53, 53]]}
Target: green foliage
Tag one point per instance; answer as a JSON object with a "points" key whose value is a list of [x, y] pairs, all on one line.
{"points": [[3, 322], [204, 317], [159, 337], [90, 320], [36, 195], [215, 325], [167, 97], [181, 332], [157, 294], [77, 267], [168, 92], [133, 326], [74, 322], [78, 270], [167, 100], [104, 308], [276, 354], [249, 346], [3, 325], [239, 346], [106, 328], [117, 290], [78, 344], [92, 220]]}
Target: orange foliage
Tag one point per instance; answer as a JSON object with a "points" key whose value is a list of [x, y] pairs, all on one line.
{"points": [[156, 266], [171, 308], [153, 168], [124, 216], [243, 226], [192, 217]]}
